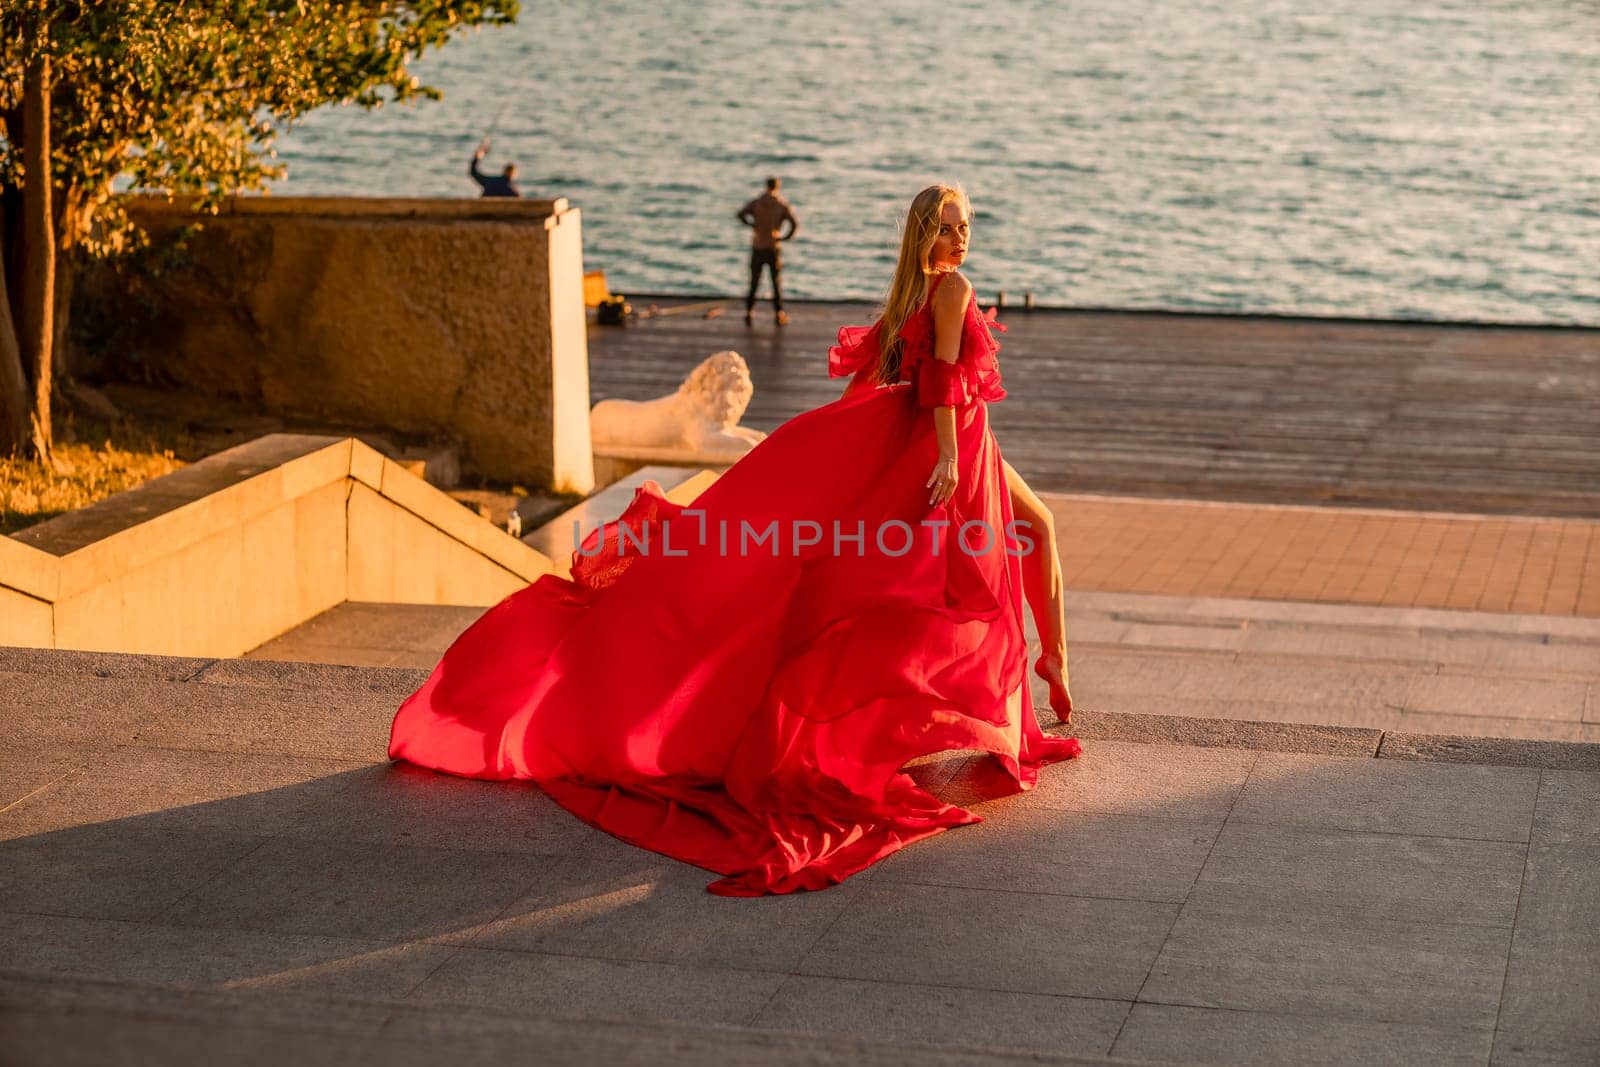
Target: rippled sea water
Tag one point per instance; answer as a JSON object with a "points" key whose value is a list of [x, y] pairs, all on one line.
{"points": [[1427, 160]]}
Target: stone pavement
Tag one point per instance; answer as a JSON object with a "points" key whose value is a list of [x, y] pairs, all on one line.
{"points": [[372, 635], [195, 853], [1331, 555]]}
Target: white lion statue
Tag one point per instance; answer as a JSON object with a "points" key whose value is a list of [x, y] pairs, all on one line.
{"points": [[701, 417]]}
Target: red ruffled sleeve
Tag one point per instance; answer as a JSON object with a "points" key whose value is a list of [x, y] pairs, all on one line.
{"points": [[857, 348], [978, 351], [973, 376]]}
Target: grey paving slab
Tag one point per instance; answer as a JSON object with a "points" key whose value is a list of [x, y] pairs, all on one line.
{"points": [[1194, 732], [981, 939], [64, 663], [1542, 652], [24, 770], [1541, 1050], [1086, 627], [327, 677], [1581, 669], [1167, 1033], [1338, 685], [1505, 698], [1427, 648], [1041, 850], [1101, 672], [567, 987], [112, 870], [1122, 778], [426, 628], [72, 710], [96, 1037], [361, 891], [1220, 704], [1569, 807], [1390, 796], [301, 651], [616, 901], [1552, 983], [1343, 616], [1335, 642], [1492, 751], [162, 789], [896, 1011], [1221, 635], [59, 945], [1330, 961], [1395, 876], [1486, 726], [308, 720], [67, 1022], [399, 804]]}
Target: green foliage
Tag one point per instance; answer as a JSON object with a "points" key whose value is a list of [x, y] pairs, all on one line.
{"points": [[188, 95]]}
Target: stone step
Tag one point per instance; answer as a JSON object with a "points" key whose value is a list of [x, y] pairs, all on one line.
{"points": [[1403, 669], [55, 1020], [1466, 673]]}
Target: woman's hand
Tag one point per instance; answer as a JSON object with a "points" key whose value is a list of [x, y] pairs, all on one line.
{"points": [[943, 480]]}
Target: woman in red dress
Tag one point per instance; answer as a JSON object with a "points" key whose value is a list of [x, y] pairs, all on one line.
{"points": [[739, 683]]}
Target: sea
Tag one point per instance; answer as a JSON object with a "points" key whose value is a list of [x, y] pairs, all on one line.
{"points": [[1426, 160]]}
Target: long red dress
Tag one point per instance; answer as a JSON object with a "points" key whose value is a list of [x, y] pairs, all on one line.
{"points": [[748, 707]]}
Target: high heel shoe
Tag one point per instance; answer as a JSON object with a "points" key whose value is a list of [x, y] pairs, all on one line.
{"points": [[1054, 671]]}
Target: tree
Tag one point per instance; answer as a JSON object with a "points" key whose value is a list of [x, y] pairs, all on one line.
{"points": [[181, 95]]}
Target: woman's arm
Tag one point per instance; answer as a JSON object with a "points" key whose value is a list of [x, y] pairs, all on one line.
{"points": [[949, 309]]}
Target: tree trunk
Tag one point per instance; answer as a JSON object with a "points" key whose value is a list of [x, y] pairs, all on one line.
{"points": [[72, 225], [66, 276], [39, 250]]}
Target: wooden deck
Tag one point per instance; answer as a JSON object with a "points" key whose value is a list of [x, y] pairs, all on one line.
{"points": [[1296, 411]]}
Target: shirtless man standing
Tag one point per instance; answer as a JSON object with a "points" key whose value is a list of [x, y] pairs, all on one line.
{"points": [[767, 214]]}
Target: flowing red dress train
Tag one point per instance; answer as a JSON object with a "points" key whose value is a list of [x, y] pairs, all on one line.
{"points": [[747, 706]]}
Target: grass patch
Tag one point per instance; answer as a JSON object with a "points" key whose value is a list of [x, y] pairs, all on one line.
{"points": [[95, 459]]}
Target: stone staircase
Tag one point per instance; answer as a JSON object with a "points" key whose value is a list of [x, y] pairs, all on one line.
{"points": [[1413, 671], [1395, 669]]}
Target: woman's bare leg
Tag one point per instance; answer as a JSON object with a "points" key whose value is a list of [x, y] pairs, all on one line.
{"points": [[1044, 590]]}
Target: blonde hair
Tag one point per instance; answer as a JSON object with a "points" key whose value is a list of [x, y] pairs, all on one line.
{"points": [[912, 274]]}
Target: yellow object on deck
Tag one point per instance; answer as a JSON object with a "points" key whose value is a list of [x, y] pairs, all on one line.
{"points": [[595, 292]]}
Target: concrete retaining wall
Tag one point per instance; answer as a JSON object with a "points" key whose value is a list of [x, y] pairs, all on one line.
{"points": [[462, 317], [226, 554]]}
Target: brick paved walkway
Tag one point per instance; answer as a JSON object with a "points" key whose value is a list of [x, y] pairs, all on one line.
{"points": [[1337, 555]]}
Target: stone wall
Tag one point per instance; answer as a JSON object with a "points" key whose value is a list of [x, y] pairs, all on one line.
{"points": [[458, 317], [230, 552]]}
